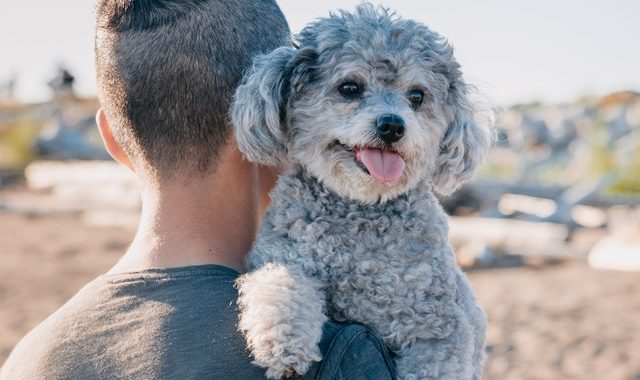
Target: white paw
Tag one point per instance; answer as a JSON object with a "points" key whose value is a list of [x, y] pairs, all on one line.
{"points": [[281, 317], [296, 360]]}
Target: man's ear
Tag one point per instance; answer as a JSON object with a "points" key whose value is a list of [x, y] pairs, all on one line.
{"points": [[114, 149], [258, 112]]}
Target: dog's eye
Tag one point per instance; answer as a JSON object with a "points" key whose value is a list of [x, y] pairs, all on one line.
{"points": [[350, 89], [416, 97]]}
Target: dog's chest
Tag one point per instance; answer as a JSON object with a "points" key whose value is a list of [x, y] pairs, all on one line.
{"points": [[378, 263], [335, 238], [377, 274]]}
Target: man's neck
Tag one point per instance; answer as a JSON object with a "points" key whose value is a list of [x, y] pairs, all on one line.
{"points": [[207, 220]]}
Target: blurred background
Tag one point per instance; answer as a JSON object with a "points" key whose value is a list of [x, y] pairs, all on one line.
{"points": [[549, 232]]}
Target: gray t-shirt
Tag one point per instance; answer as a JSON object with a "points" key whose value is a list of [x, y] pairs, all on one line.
{"points": [[177, 323]]}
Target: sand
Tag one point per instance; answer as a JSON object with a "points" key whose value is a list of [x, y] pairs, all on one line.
{"points": [[558, 322], [562, 322], [43, 262]]}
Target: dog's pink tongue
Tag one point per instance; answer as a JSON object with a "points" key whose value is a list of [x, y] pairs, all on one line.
{"points": [[383, 165]]}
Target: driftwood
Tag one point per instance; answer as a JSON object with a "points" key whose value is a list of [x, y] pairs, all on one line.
{"points": [[522, 237], [101, 193], [93, 183], [487, 196]]}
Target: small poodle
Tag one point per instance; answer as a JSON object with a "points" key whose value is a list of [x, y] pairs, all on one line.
{"points": [[371, 116]]}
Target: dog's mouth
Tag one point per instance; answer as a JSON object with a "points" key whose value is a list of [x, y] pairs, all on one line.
{"points": [[383, 164]]}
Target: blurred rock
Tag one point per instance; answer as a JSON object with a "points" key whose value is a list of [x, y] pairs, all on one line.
{"points": [[94, 184], [111, 218], [512, 236], [474, 254], [63, 141], [624, 221], [619, 98], [68, 130], [618, 126], [101, 193], [620, 249], [39, 204], [589, 216], [616, 253]]}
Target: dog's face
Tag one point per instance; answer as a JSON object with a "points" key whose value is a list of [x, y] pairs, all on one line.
{"points": [[369, 104], [370, 123]]}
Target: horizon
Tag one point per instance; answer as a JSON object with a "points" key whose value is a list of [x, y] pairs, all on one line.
{"points": [[533, 51]]}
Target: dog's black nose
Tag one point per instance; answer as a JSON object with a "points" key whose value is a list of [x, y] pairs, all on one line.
{"points": [[389, 127]]}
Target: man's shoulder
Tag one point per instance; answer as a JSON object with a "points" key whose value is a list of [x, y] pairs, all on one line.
{"points": [[351, 351], [175, 323], [44, 349], [171, 324]]}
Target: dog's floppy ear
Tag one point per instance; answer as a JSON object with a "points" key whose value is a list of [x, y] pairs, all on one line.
{"points": [[466, 140], [258, 112]]}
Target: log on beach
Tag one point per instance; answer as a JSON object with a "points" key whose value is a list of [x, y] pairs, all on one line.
{"points": [[94, 183], [517, 236]]}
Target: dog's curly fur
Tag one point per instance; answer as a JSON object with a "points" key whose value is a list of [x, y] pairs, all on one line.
{"points": [[336, 241]]}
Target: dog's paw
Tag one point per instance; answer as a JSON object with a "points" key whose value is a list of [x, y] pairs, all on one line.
{"points": [[296, 360], [281, 317]]}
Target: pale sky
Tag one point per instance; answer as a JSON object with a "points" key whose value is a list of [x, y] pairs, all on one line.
{"points": [[513, 50]]}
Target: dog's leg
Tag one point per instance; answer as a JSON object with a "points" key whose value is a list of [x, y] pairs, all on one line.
{"points": [[281, 316]]}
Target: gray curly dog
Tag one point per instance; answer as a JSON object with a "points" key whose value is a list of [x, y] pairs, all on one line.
{"points": [[371, 115]]}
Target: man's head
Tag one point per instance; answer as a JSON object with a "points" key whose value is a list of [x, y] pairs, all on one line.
{"points": [[167, 70]]}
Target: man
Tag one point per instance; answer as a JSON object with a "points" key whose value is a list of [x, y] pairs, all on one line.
{"points": [[166, 73]]}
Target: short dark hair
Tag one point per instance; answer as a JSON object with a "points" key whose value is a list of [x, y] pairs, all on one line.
{"points": [[167, 70]]}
